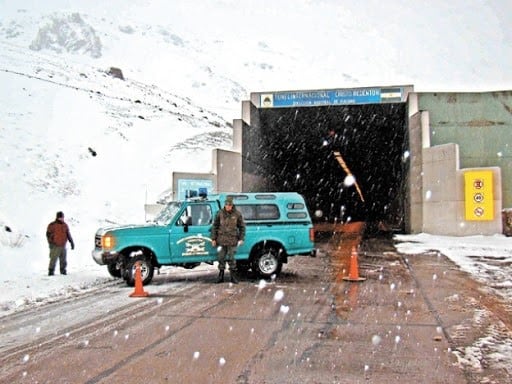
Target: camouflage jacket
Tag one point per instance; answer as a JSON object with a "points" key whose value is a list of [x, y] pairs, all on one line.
{"points": [[228, 227]]}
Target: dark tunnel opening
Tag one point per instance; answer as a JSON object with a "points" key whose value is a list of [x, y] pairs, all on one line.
{"points": [[293, 150]]}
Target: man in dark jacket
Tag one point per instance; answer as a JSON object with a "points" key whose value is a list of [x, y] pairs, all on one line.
{"points": [[58, 235], [228, 232]]}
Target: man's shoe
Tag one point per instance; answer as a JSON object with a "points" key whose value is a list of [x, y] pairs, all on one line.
{"points": [[220, 279], [234, 278], [63, 272], [50, 272]]}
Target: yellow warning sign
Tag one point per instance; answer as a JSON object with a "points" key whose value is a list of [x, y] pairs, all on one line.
{"points": [[478, 195]]}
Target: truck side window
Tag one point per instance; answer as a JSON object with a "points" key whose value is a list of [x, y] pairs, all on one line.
{"points": [[185, 218], [201, 214], [259, 211], [247, 211], [268, 212]]}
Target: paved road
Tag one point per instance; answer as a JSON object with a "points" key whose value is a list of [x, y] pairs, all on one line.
{"points": [[402, 324]]}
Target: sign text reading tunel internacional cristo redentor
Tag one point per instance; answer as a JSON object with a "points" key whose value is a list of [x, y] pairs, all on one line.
{"points": [[372, 95]]}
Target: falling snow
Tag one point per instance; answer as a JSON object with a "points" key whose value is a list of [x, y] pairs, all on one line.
{"points": [[49, 166]]}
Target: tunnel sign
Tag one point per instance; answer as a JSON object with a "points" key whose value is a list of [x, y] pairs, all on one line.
{"points": [[478, 195], [374, 95], [188, 188]]}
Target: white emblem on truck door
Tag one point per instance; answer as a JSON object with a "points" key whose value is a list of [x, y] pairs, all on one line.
{"points": [[194, 245]]}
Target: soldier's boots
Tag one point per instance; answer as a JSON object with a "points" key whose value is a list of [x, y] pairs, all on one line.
{"points": [[50, 272], [234, 277], [220, 278]]}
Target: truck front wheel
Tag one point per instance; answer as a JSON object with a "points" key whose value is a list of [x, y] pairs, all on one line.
{"points": [[146, 268], [267, 262], [114, 270]]}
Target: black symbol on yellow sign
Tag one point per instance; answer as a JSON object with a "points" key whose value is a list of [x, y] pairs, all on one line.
{"points": [[479, 211], [478, 183], [478, 197]]}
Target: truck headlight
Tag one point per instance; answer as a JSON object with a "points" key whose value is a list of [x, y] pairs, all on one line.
{"points": [[107, 242]]}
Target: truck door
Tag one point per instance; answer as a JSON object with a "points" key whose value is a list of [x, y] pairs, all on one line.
{"points": [[190, 238]]}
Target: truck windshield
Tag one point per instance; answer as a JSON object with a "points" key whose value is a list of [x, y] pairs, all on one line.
{"points": [[166, 214]]}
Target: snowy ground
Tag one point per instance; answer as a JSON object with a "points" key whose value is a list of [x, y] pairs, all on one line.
{"points": [[488, 259], [24, 283]]}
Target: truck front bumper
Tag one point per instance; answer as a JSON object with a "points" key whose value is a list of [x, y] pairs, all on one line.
{"points": [[104, 258]]}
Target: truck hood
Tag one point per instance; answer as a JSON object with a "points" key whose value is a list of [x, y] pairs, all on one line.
{"points": [[119, 230]]}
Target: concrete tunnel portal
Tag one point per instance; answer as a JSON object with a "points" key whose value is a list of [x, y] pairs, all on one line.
{"points": [[293, 149]]}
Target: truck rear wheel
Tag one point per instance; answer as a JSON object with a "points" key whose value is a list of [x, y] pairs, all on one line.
{"points": [[146, 268], [267, 262]]}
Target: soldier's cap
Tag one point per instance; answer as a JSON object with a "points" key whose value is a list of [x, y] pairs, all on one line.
{"points": [[229, 200], [60, 215]]}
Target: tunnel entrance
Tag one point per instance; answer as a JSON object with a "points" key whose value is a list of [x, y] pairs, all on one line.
{"points": [[294, 149]]}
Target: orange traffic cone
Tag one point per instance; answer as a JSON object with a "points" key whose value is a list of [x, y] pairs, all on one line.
{"points": [[354, 268], [139, 289]]}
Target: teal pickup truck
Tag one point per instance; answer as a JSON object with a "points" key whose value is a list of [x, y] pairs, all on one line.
{"points": [[278, 226]]}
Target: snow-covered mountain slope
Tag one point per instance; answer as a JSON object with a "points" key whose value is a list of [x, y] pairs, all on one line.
{"points": [[74, 138], [76, 111], [217, 51]]}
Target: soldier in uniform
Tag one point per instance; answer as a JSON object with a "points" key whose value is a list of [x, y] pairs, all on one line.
{"points": [[228, 232]]}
